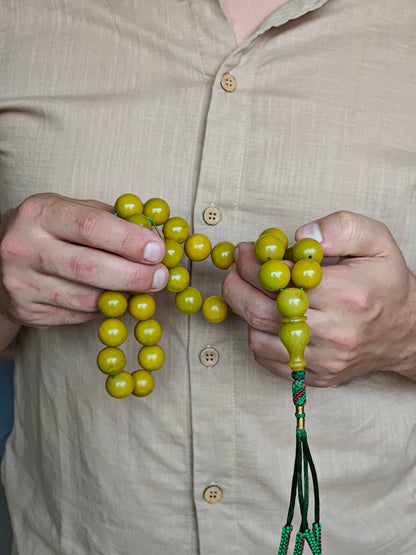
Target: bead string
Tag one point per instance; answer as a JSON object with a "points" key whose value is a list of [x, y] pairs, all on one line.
{"points": [[271, 249]]}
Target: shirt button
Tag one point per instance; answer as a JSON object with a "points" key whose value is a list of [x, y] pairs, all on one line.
{"points": [[209, 356], [212, 215], [213, 494], [228, 82]]}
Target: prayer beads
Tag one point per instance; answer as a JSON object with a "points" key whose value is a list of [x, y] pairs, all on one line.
{"points": [[288, 272]]}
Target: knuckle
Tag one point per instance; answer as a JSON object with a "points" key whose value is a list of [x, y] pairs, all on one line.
{"points": [[256, 315], [254, 341], [86, 224], [30, 208], [12, 248], [357, 301], [83, 270], [333, 368], [362, 300], [127, 239], [349, 223], [347, 342], [227, 286], [139, 279]]}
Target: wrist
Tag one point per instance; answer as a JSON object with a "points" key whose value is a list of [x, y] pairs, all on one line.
{"points": [[406, 366]]}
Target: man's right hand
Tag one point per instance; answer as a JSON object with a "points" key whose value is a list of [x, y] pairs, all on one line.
{"points": [[58, 254]]}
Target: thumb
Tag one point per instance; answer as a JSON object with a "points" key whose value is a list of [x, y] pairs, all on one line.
{"points": [[348, 234]]}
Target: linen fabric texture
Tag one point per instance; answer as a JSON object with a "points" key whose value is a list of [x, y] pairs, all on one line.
{"points": [[102, 98]]}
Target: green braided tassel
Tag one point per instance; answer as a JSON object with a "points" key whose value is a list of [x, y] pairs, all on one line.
{"points": [[300, 543], [310, 538], [300, 483], [285, 539]]}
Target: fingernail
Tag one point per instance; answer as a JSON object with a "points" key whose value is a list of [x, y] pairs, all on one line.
{"points": [[236, 253], [153, 252], [159, 279], [313, 231]]}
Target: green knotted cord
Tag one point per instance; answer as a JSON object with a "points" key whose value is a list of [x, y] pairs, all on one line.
{"points": [[300, 485]]}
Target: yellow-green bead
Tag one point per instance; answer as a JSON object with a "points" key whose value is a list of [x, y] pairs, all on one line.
{"points": [[198, 247], [140, 219], [278, 232], [292, 302], [128, 204], [151, 357], [178, 279], [144, 383], [189, 301], [112, 303], [112, 332], [120, 386], [176, 228], [222, 255], [274, 275], [307, 248], [141, 306], [174, 253], [148, 332], [214, 309], [157, 209], [306, 273], [111, 360], [269, 247]]}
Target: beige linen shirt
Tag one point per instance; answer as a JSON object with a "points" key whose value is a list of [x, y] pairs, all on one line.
{"points": [[98, 98]]}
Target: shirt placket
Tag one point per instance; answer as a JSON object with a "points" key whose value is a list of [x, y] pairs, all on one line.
{"points": [[213, 409]]}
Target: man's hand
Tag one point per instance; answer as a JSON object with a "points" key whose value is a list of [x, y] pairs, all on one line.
{"points": [[362, 315], [58, 254]]}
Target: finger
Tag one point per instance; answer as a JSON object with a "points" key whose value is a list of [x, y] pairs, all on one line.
{"points": [[28, 290], [100, 269], [247, 264], [91, 224], [44, 316], [256, 308], [348, 234]]}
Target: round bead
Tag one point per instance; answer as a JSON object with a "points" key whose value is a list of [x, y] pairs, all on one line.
{"points": [[157, 209], [278, 232], [198, 247], [178, 279], [140, 219], [176, 228], [127, 205], [151, 357], [148, 332], [274, 275], [144, 383], [174, 253], [111, 360], [306, 273], [121, 385], [214, 309], [112, 332], [292, 302], [307, 248], [141, 306], [269, 247], [222, 255], [189, 301], [112, 303]]}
